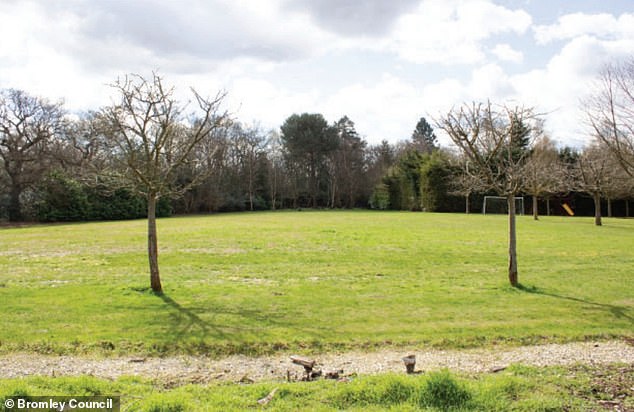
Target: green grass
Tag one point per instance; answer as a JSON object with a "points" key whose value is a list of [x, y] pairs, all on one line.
{"points": [[518, 388], [257, 283]]}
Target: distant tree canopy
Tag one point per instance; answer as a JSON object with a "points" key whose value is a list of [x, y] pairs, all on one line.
{"points": [[104, 164], [30, 129]]}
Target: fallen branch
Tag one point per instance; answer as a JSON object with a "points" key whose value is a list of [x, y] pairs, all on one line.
{"points": [[267, 398]]}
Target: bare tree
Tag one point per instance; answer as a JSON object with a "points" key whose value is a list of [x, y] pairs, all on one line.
{"points": [[618, 184], [610, 111], [495, 142], [593, 175], [543, 172], [248, 143], [155, 137], [275, 167], [28, 126], [464, 182]]}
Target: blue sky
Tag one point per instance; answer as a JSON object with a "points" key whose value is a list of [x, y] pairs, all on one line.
{"points": [[383, 63]]}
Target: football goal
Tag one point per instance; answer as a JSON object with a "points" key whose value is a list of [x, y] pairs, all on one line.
{"points": [[497, 204]]}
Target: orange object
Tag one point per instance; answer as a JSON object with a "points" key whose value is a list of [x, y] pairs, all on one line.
{"points": [[568, 209]]}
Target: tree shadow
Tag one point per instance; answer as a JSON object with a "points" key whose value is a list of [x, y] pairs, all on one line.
{"points": [[185, 322], [620, 312]]}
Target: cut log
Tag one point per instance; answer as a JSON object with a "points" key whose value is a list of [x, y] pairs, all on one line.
{"points": [[308, 364]]}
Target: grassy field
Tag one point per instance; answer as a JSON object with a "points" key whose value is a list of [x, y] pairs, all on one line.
{"points": [[519, 388], [255, 283]]}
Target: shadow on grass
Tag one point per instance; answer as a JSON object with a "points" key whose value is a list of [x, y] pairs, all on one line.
{"points": [[187, 320], [242, 324], [620, 312]]}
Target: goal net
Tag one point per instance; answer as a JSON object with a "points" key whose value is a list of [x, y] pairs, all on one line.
{"points": [[497, 204]]}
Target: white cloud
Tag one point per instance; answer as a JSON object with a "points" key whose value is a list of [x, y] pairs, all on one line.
{"points": [[33, 58], [574, 25], [390, 108], [451, 32], [261, 100], [387, 109], [442, 95], [557, 89], [491, 82], [505, 52], [368, 18], [114, 34], [295, 56]]}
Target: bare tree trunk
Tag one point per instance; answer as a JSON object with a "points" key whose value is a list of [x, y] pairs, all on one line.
{"points": [[295, 195], [333, 193], [314, 186], [466, 203], [250, 193], [535, 211], [547, 206], [333, 197], [513, 278], [609, 207], [274, 190], [627, 207], [250, 187], [14, 209], [152, 244], [597, 209], [351, 186]]}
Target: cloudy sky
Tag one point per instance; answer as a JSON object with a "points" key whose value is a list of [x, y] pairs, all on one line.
{"points": [[383, 63]]}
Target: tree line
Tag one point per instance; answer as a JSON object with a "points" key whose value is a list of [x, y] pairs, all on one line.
{"points": [[181, 158], [57, 166]]}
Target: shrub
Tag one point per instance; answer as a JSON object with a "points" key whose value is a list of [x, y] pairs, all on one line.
{"points": [[380, 198], [442, 391], [61, 199]]}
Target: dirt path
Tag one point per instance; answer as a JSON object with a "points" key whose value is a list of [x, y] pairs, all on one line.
{"points": [[200, 369]]}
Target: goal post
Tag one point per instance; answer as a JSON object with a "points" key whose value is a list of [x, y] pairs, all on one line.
{"points": [[498, 205]]}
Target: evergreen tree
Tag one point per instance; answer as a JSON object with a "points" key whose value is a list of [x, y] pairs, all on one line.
{"points": [[308, 140], [435, 174], [423, 138]]}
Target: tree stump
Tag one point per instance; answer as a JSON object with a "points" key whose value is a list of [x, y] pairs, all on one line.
{"points": [[410, 363]]}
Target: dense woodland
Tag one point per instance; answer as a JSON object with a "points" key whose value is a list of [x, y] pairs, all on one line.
{"points": [[196, 158]]}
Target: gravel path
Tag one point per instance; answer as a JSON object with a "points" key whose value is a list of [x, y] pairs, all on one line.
{"points": [[184, 369]]}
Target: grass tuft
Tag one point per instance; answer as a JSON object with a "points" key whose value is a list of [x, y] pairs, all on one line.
{"points": [[443, 391]]}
